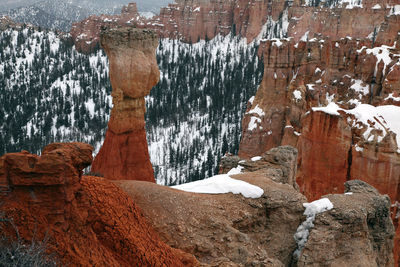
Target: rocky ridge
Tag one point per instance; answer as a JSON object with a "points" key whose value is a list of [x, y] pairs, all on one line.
{"points": [[230, 230], [133, 72]]}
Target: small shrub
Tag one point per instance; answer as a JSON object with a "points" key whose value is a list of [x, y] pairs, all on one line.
{"points": [[18, 254]]}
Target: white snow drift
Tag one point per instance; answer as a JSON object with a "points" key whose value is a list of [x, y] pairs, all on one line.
{"points": [[223, 184]]}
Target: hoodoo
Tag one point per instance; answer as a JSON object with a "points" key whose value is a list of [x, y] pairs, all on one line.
{"points": [[133, 72]]}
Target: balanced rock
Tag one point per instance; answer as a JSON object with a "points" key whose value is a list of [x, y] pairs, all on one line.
{"points": [[133, 72]]}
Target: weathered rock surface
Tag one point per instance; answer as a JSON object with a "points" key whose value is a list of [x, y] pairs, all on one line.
{"points": [[227, 229], [230, 230], [133, 72], [357, 231], [48, 197], [278, 164]]}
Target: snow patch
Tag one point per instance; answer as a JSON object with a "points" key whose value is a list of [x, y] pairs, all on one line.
{"points": [[303, 231], [222, 184], [297, 95], [360, 87], [257, 110], [257, 158]]}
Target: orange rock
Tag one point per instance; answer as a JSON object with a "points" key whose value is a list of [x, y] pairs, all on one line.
{"points": [[133, 72], [323, 148], [88, 221]]}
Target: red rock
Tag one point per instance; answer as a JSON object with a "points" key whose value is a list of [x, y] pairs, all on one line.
{"points": [[318, 72], [133, 72], [323, 148], [75, 211]]}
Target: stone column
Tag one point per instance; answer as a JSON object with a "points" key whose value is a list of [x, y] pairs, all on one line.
{"points": [[133, 72]]}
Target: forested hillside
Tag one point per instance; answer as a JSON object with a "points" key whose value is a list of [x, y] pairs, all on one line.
{"points": [[49, 92]]}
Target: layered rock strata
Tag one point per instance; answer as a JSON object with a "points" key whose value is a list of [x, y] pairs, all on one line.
{"points": [[192, 21], [133, 72], [48, 198]]}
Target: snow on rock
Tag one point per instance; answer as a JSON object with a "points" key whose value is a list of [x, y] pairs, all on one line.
{"points": [[394, 10], [382, 54], [251, 100], [377, 6], [384, 118], [390, 96], [257, 110], [254, 121], [236, 170], [360, 87], [297, 95], [222, 184], [303, 231], [256, 158], [331, 109]]}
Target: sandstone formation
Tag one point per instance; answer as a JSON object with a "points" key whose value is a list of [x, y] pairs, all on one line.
{"points": [[133, 72], [48, 198], [230, 230]]}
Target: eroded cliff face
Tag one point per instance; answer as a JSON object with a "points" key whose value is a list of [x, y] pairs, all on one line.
{"points": [[356, 135], [191, 21], [47, 197], [133, 72]]}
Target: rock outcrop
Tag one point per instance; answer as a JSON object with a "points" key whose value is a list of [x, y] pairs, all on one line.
{"points": [[133, 72], [48, 198], [357, 231], [230, 230]]}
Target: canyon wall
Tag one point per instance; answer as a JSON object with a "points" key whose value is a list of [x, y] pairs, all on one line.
{"points": [[336, 100], [133, 72], [191, 21], [47, 198]]}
